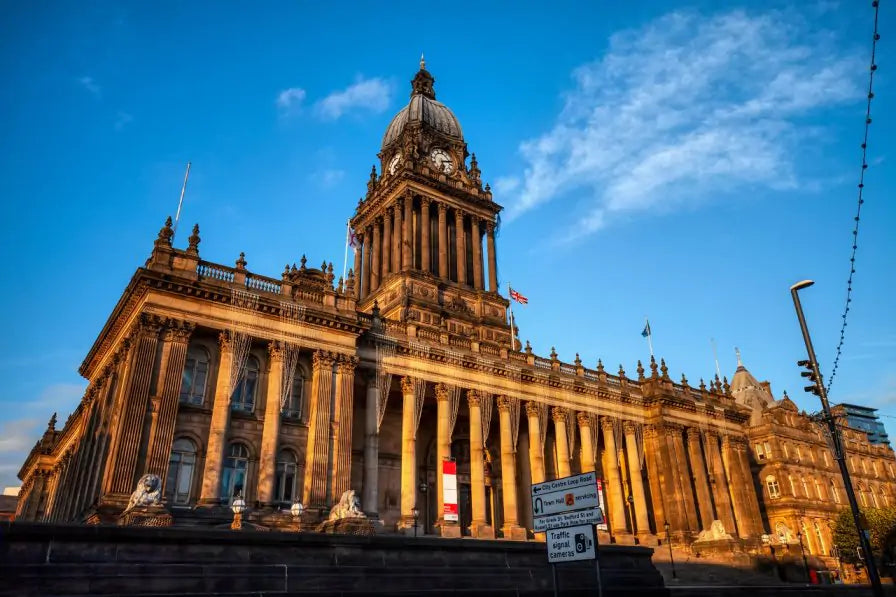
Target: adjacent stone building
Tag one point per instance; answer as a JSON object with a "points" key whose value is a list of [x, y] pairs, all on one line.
{"points": [[223, 381]]}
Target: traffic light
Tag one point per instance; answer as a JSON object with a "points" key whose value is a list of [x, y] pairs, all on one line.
{"points": [[811, 375]]}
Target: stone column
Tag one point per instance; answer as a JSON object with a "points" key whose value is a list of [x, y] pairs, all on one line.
{"points": [[358, 253], [408, 454], [271, 430], [425, 260], [397, 230], [614, 485], [135, 397], [443, 240], [720, 489], [511, 527], [751, 503], [683, 476], [476, 242], [652, 455], [443, 453], [407, 245], [217, 434], [460, 246], [376, 258], [560, 440], [386, 266], [371, 447], [317, 455], [698, 468], [492, 258], [587, 459], [642, 521], [29, 512], [478, 527], [736, 484], [341, 474], [366, 249], [175, 339], [536, 455]]}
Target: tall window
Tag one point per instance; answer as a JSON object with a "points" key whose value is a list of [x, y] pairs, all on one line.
{"points": [[193, 382], [827, 461], [805, 486], [818, 489], [293, 406], [285, 483], [244, 393], [760, 452], [818, 535], [236, 465], [873, 496], [862, 496], [834, 493], [772, 484], [180, 472], [792, 486]]}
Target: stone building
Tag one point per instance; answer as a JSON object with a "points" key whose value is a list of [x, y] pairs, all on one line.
{"points": [[224, 382]]}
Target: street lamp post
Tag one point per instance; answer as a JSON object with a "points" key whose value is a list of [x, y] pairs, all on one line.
{"points": [[238, 506], [297, 509], [669, 541], [631, 510], [814, 374], [799, 536], [416, 513]]}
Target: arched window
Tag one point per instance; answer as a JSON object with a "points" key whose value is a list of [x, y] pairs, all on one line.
{"points": [[244, 393], [792, 486], [180, 472], [821, 546], [236, 465], [772, 484], [285, 485], [873, 496], [862, 496], [195, 377], [805, 486], [818, 492], [782, 532], [834, 493], [293, 406]]}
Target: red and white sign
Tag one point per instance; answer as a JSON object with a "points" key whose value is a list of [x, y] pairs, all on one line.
{"points": [[449, 491], [601, 526]]}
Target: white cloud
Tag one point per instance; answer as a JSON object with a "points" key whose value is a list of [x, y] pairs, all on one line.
{"points": [[373, 95], [330, 177], [290, 99], [90, 85], [682, 110], [122, 119]]}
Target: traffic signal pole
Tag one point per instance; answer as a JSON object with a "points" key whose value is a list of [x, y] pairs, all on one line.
{"points": [[818, 389]]}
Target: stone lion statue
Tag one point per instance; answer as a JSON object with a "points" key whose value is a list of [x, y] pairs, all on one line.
{"points": [[716, 532], [147, 494], [349, 506]]}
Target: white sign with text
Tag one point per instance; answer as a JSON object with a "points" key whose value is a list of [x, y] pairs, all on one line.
{"points": [[570, 544]]}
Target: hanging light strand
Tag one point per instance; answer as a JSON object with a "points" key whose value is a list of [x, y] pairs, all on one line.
{"points": [[855, 231]]}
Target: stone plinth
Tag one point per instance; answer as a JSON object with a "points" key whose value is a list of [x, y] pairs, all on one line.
{"points": [[347, 526], [146, 516], [69, 560]]}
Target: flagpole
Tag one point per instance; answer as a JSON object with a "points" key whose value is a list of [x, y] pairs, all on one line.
{"points": [[510, 306], [180, 203], [649, 334], [348, 228], [715, 356]]}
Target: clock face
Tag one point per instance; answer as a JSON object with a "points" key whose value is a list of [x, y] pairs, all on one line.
{"points": [[442, 161], [393, 164]]}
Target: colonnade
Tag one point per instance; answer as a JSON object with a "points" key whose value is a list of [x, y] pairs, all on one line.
{"points": [[651, 473], [406, 236]]}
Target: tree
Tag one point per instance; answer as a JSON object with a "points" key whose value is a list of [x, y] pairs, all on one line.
{"points": [[881, 523]]}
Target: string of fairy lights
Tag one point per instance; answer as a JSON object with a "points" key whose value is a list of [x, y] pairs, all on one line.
{"points": [[875, 4]]}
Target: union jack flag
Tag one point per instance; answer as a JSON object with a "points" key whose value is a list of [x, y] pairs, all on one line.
{"points": [[518, 297]]}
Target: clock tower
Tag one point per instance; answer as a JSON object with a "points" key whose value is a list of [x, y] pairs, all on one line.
{"points": [[427, 229]]}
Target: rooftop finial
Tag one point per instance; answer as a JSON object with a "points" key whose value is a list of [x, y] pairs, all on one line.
{"points": [[422, 62], [737, 352]]}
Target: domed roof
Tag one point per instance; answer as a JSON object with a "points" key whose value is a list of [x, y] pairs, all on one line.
{"points": [[423, 108]]}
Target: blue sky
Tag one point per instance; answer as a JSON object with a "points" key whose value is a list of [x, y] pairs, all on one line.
{"points": [[683, 161]]}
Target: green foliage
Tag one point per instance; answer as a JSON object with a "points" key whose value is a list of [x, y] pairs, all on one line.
{"points": [[881, 523]]}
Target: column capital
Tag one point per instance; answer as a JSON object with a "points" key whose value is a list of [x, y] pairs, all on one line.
{"points": [[474, 398], [387, 215], [607, 423], [652, 431], [407, 384], [346, 364], [459, 214], [490, 226], [177, 330], [443, 392], [711, 434], [558, 414], [533, 409], [275, 351], [693, 434], [503, 403], [442, 207], [147, 325], [322, 359], [424, 200], [399, 203], [225, 341], [629, 427], [583, 419]]}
